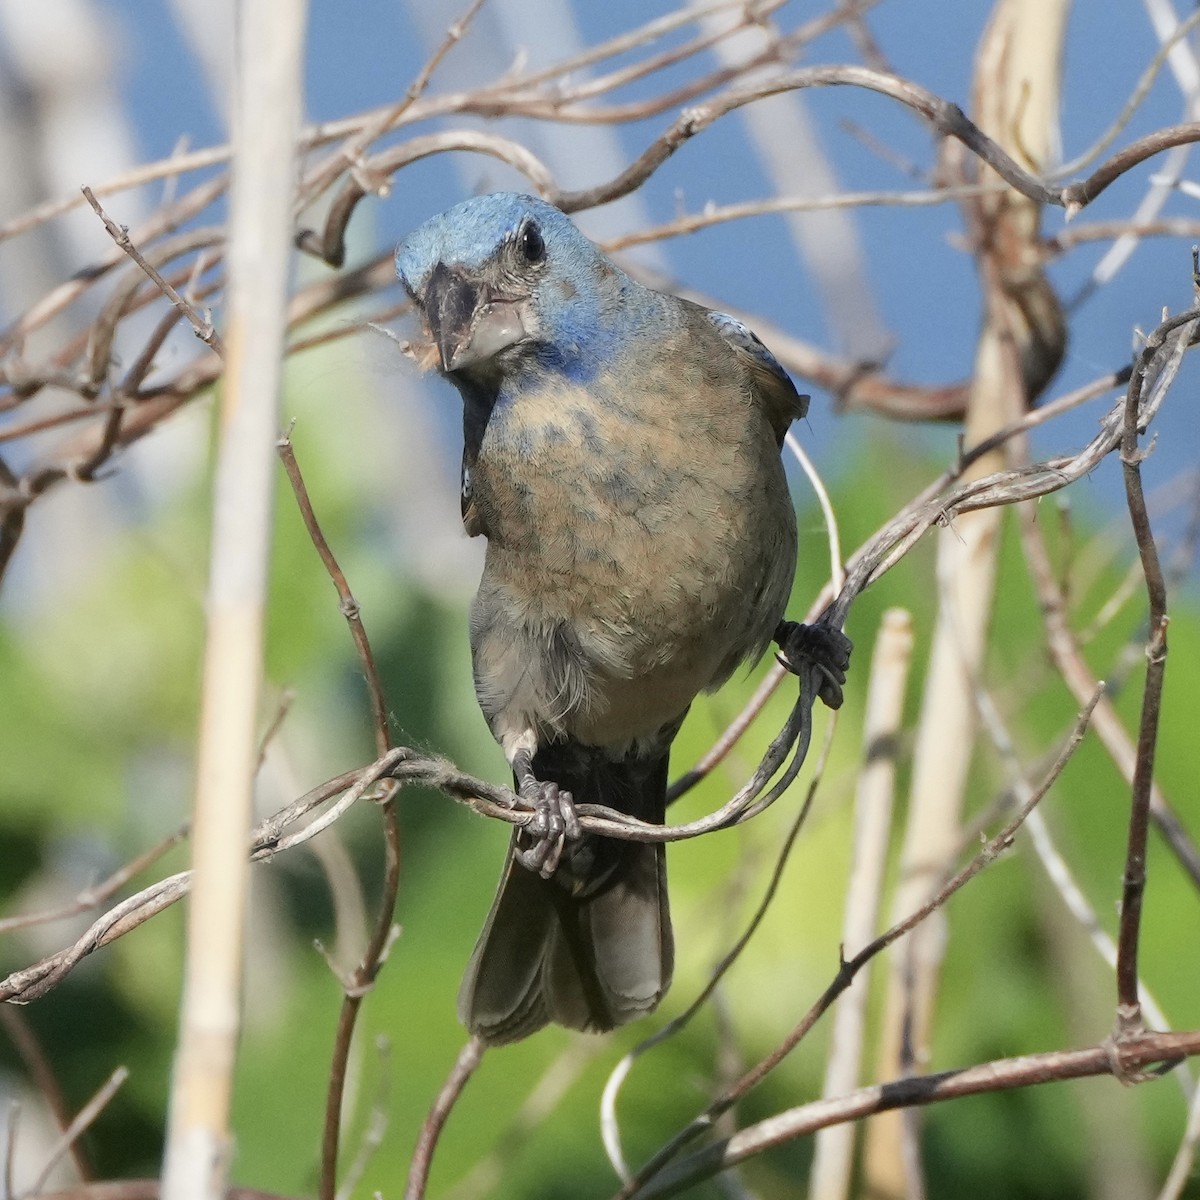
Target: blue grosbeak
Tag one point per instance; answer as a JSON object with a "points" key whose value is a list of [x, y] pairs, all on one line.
{"points": [[622, 459]]}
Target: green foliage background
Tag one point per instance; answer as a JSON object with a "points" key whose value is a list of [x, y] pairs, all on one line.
{"points": [[98, 700]]}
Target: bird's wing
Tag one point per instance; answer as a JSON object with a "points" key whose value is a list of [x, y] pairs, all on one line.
{"points": [[771, 383]]}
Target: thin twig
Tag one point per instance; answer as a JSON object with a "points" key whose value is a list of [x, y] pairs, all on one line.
{"points": [[1129, 1012], [1053, 863], [362, 978], [21, 1034], [377, 1124], [1077, 675], [92, 896], [205, 331], [777, 673], [544, 1098], [464, 1067], [83, 1119], [1140, 92], [361, 981], [349, 605], [1143, 1052], [714, 214], [348, 155]]}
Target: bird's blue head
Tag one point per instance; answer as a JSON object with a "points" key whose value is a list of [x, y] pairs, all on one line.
{"points": [[506, 283]]}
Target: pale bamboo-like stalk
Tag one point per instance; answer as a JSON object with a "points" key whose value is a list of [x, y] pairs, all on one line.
{"points": [[833, 1160], [1017, 87], [266, 123]]}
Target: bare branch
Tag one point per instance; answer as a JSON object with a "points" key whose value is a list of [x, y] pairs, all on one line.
{"points": [[1157, 368], [17, 1026], [204, 329], [469, 1059], [1142, 1052], [75, 1130]]}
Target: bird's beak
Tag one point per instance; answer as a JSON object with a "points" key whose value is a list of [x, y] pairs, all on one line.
{"points": [[468, 322]]}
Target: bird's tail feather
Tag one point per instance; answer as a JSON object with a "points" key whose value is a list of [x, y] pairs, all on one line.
{"points": [[592, 947]]}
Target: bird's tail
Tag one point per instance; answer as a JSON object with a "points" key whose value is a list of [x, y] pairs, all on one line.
{"points": [[590, 948]]}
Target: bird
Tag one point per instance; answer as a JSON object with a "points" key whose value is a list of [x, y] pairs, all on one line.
{"points": [[621, 456]]}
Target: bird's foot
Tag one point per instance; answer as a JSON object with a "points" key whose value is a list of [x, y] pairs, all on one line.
{"points": [[826, 648], [554, 823]]}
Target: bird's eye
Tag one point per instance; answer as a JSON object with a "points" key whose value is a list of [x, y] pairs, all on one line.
{"points": [[529, 240]]}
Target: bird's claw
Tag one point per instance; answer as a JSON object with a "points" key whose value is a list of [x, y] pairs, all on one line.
{"points": [[826, 648], [540, 843]]}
